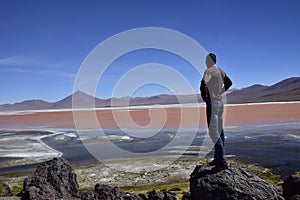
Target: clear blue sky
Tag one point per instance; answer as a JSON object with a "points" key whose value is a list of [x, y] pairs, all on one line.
{"points": [[43, 43]]}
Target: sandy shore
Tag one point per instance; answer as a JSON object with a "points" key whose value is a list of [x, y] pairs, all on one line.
{"points": [[155, 117]]}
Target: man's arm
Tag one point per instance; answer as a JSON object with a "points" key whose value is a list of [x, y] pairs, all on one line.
{"points": [[204, 91]]}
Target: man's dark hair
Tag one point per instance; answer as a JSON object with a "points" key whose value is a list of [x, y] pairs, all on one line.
{"points": [[213, 57]]}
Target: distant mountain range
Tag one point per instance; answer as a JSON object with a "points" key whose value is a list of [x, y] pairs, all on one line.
{"points": [[286, 90]]}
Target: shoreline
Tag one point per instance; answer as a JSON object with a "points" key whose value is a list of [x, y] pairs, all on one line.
{"points": [[242, 141], [156, 106], [232, 149]]}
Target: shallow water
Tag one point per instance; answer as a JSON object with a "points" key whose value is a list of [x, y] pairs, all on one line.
{"points": [[276, 146]]}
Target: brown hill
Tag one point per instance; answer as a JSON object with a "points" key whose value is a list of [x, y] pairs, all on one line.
{"points": [[286, 90]]}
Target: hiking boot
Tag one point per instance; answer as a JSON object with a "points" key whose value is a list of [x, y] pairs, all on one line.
{"points": [[219, 167], [212, 163]]}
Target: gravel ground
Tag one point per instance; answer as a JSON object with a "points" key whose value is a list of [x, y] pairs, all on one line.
{"points": [[120, 172]]}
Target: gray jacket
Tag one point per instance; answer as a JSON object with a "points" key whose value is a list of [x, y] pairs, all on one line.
{"points": [[214, 83]]}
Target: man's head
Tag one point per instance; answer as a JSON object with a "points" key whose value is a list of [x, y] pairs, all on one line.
{"points": [[211, 59]]}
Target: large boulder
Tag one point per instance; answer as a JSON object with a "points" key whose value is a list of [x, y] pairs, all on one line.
{"points": [[291, 187], [233, 183], [53, 179]]}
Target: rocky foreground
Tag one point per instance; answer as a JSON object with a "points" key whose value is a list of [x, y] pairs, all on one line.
{"points": [[55, 179]]}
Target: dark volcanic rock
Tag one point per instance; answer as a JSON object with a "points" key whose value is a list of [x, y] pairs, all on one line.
{"points": [[154, 195], [53, 179], [143, 196], [87, 195], [291, 187], [169, 196], [105, 192], [233, 183]]}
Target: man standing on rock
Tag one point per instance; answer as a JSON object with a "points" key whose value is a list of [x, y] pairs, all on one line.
{"points": [[213, 84]]}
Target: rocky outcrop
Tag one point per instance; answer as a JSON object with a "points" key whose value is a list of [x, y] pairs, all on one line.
{"points": [[104, 192], [53, 179], [233, 183], [154, 195], [86, 195], [291, 188]]}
